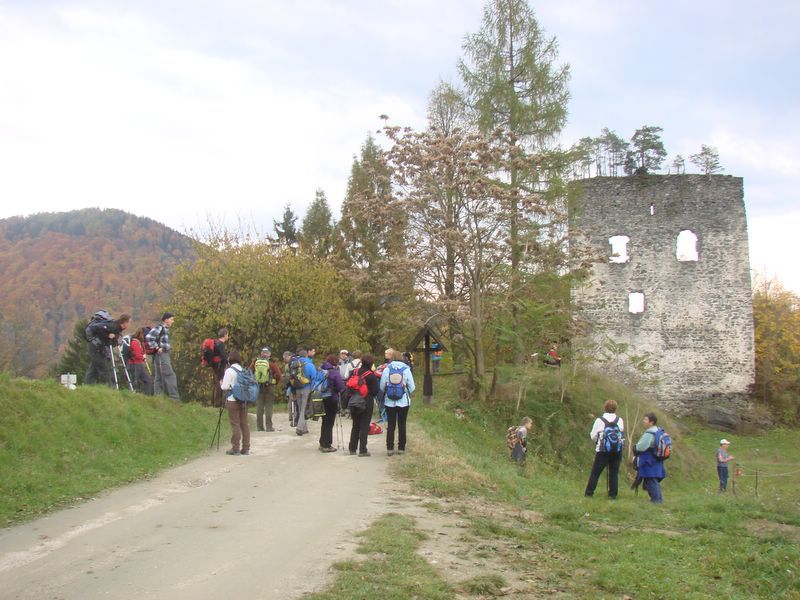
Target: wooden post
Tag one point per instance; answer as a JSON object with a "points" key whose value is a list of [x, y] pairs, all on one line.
{"points": [[427, 385]]}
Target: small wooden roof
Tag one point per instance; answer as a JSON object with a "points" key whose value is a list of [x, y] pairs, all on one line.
{"points": [[414, 346]]}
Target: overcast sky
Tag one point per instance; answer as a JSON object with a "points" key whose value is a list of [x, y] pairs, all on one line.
{"points": [[187, 111]]}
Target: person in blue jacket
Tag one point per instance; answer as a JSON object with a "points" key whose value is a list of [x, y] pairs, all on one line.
{"points": [[649, 469], [303, 393], [397, 383]]}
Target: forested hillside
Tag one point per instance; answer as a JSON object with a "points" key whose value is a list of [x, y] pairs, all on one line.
{"points": [[57, 268]]}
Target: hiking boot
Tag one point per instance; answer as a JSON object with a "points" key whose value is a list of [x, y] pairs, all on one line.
{"points": [[389, 452], [401, 452], [328, 449], [232, 452], [245, 452], [364, 454], [352, 452]]}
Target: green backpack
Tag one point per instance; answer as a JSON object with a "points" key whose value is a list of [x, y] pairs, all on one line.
{"points": [[263, 372]]}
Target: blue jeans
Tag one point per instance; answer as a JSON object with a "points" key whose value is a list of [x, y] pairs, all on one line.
{"points": [[722, 471], [653, 487]]}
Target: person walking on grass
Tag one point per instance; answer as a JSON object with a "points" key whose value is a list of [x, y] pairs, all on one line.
{"points": [[237, 411], [519, 450], [397, 385], [649, 469], [608, 433], [361, 404], [723, 458]]}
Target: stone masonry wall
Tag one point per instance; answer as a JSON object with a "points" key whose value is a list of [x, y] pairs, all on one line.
{"points": [[698, 315]]}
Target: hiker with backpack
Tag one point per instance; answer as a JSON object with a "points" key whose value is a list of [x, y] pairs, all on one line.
{"points": [[142, 379], [362, 387], [301, 375], [608, 433], [165, 380], [237, 407], [329, 385], [517, 440], [103, 333], [649, 465], [397, 384], [388, 354], [213, 355], [268, 374]]}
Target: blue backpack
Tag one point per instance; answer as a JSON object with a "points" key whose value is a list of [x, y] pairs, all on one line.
{"points": [[663, 445], [322, 384], [245, 389], [396, 386], [613, 439]]}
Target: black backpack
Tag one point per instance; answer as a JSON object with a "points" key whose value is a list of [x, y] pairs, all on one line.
{"points": [[101, 317]]}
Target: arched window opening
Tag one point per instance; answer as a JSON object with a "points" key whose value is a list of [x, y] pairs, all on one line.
{"points": [[686, 246], [619, 249]]}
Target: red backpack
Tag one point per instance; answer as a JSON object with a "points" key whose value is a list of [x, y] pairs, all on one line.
{"points": [[209, 354], [356, 382]]}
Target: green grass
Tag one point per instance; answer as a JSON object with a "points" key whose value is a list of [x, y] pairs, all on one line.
{"points": [[697, 545], [58, 446], [390, 568]]}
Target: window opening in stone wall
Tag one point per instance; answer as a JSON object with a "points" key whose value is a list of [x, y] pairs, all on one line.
{"points": [[686, 246], [636, 303], [652, 209], [619, 249]]}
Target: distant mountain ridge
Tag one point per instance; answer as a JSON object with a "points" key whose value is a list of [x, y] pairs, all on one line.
{"points": [[58, 268]]}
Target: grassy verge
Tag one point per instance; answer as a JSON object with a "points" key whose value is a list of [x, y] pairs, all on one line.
{"points": [[697, 545], [390, 568], [58, 446]]}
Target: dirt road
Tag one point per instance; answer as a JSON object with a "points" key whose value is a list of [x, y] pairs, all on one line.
{"points": [[267, 525]]}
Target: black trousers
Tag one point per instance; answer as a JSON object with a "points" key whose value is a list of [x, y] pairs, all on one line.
{"points": [[326, 429], [601, 461], [99, 367], [396, 416], [360, 431]]}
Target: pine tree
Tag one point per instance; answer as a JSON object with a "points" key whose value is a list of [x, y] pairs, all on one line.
{"points": [[286, 229], [707, 160], [647, 151], [316, 235]]}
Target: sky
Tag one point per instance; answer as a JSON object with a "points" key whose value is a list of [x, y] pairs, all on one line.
{"points": [[198, 112]]}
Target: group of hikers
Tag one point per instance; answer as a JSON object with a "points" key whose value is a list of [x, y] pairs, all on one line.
{"points": [[652, 449], [105, 333], [350, 383]]}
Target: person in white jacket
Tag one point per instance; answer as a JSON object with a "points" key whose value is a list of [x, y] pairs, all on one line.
{"points": [[606, 454], [237, 411]]}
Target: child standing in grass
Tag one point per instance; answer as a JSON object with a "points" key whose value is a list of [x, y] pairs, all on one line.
{"points": [[519, 440], [723, 458]]}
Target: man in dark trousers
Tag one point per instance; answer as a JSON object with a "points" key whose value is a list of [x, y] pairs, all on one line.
{"points": [[103, 334], [608, 452]]}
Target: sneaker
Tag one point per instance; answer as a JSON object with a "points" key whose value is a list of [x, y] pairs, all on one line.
{"points": [[232, 452], [364, 454], [389, 452]]}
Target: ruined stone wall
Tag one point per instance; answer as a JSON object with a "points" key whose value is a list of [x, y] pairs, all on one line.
{"points": [[697, 321]]}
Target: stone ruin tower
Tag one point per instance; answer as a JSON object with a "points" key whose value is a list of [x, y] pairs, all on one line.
{"points": [[674, 282]]}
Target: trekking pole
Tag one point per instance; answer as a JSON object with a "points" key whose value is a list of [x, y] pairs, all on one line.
{"points": [[113, 367], [217, 431], [125, 368]]}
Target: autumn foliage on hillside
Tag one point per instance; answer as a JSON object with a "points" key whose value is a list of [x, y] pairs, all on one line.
{"points": [[58, 268]]}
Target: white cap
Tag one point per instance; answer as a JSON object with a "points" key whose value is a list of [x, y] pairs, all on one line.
{"points": [[723, 441]]}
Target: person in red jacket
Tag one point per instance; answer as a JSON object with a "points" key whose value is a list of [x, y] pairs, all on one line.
{"points": [[142, 379]]}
